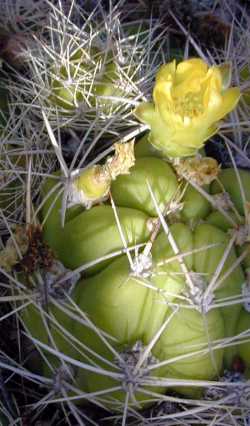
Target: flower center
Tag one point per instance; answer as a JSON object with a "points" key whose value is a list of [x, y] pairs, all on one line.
{"points": [[189, 105]]}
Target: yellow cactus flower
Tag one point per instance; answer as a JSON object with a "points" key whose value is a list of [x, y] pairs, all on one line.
{"points": [[189, 100]]}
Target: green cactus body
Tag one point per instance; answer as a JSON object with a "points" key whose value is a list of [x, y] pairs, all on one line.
{"points": [[206, 262], [127, 310], [94, 233], [167, 277], [38, 319], [119, 305], [108, 86], [217, 219], [148, 168], [89, 234], [240, 250], [73, 84], [195, 205], [168, 345], [69, 84], [113, 294], [132, 190], [143, 148], [52, 210], [189, 332], [65, 96], [122, 309], [229, 180]]}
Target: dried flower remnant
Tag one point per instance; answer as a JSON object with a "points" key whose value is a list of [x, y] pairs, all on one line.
{"points": [[189, 100], [201, 171], [122, 161], [26, 251], [38, 254], [93, 185]]}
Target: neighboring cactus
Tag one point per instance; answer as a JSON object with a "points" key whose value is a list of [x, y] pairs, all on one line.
{"points": [[92, 79]]}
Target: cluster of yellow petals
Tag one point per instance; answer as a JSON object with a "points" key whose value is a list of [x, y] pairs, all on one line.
{"points": [[189, 100]]}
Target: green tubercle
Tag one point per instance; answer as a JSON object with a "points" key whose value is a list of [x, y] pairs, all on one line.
{"points": [[189, 332], [132, 190]]}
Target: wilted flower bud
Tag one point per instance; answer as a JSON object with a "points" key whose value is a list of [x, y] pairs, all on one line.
{"points": [[93, 184]]}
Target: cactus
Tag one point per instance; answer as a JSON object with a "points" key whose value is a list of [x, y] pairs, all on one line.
{"points": [[127, 308], [125, 248]]}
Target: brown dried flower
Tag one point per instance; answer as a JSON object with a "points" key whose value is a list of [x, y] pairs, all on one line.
{"points": [[38, 255]]}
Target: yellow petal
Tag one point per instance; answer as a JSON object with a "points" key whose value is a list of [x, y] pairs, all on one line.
{"points": [[191, 78], [229, 101], [166, 72], [191, 84], [212, 89], [162, 94], [165, 107], [215, 100], [180, 139], [215, 78], [190, 66]]}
